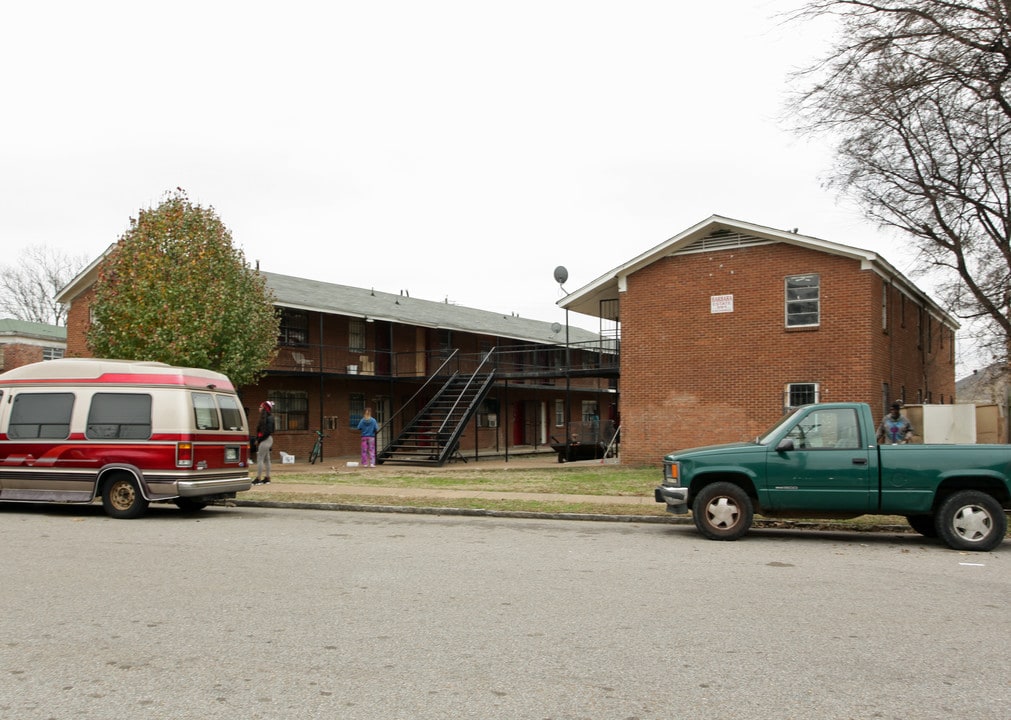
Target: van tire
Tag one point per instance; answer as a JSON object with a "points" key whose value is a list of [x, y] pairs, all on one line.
{"points": [[121, 498], [971, 520]]}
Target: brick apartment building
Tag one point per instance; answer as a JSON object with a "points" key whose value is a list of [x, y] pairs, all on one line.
{"points": [[23, 342], [344, 348], [728, 324]]}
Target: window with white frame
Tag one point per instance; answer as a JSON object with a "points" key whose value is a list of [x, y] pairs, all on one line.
{"points": [[797, 394], [52, 353], [803, 300], [559, 413]]}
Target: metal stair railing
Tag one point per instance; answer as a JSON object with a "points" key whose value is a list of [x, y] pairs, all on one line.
{"points": [[417, 392], [444, 444]]}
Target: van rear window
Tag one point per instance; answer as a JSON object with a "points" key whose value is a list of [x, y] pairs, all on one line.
{"points": [[41, 415], [205, 412], [121, 416], [231, 413]]}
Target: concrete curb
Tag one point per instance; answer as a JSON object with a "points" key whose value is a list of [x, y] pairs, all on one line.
{"points": [[522, 514], [471, 512]]}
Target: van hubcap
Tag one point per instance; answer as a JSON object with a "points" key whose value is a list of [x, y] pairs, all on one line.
{"points": [[123, 495]]}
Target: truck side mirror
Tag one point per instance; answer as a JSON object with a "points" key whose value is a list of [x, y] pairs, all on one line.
{"points": [[785, 444]]}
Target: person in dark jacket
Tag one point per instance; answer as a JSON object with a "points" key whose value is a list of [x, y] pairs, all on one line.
{"points": [[264, 441]]}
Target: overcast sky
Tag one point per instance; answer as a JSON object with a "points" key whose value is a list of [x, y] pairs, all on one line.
{"points": [[458, 150]]}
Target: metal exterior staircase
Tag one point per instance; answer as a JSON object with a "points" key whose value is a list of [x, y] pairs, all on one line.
{"points": [[433, 436]]}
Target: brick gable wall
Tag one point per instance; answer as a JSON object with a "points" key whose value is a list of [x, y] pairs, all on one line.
{"points": [[78, 322], [692, 377]]}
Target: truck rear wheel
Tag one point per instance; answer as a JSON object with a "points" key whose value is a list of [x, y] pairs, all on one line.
{"points": [[971, 520], [121, 498], [722, 511]]}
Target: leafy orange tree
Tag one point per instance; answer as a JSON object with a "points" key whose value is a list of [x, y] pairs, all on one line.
{"points": [[175, 289]]}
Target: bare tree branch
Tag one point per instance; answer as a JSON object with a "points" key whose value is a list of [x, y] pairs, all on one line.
{"points": [[915, 95], [28, 289]]}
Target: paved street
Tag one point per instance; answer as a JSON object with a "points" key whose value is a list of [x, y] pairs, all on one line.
{"points": [[264, 613]]}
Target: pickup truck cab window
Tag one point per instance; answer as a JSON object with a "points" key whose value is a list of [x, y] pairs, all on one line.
{"points": [[835, 429]]}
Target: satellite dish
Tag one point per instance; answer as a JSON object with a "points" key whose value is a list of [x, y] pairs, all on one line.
{"points": [[556, 328], [561, 274]]}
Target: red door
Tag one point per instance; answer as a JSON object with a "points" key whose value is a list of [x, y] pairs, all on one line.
{"points": [[519, 424]]}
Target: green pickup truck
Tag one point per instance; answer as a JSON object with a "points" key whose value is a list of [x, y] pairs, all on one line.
{"points": [[823, 461]]}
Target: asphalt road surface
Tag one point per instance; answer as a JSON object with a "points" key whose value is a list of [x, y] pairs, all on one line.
{"points": [[269, 613]]}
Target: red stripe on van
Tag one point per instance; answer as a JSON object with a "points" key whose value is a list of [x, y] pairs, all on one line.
{"points": [[190, 381]]}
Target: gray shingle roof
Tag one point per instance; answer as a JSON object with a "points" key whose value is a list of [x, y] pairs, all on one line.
{"points": [[314, 295], [38, 331]]}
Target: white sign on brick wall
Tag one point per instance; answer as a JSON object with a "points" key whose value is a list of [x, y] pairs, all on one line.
{"points": [[721, 303]]}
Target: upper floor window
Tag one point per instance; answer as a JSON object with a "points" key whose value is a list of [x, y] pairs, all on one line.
{"points": [[52, 353], [803, 304], [884, 306], [356, 335], [294, 328]]}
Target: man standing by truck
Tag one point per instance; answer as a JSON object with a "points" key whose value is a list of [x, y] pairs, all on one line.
{"points": [[895, 428]]}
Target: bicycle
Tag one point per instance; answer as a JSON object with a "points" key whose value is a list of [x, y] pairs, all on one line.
{"points": [[317, 449]]}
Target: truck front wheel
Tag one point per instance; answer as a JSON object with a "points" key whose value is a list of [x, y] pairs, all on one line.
{"points": [[971, 520], [722, 511]]}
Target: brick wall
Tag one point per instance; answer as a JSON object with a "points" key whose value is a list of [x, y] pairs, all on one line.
{"points": [[16, 355], [78, 322], [692, 377]]}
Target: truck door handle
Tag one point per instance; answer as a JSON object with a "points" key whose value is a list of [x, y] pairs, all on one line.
{"points": [[859, 461]]}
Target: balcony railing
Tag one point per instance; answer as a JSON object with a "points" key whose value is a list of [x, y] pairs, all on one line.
{"points": [[598, 357]]}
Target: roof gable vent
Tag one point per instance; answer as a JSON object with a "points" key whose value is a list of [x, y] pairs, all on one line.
{"points": [[722, 240]]}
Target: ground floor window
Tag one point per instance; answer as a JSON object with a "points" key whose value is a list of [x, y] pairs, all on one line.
{"points": [[356, 409], [487, 414], [797, 394], [291, 409], [559, 413]]}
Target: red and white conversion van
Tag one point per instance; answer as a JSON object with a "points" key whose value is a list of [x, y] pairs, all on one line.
{"points": [[131, 433]]}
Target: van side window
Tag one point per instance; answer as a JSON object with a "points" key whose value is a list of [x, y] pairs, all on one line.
{"points": [[41, 415], [205, 412], [231, 413], [122, 416]]}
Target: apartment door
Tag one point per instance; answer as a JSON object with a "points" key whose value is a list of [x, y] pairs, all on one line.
{"points": [[519, 423], [381, 411]]}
